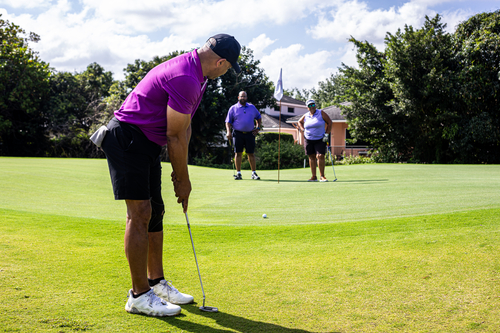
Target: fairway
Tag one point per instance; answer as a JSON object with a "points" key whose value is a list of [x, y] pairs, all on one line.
{"points": [[386, 248]]}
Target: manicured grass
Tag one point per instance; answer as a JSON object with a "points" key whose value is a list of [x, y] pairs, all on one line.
{"points": [[81, 188], [386, 248]]}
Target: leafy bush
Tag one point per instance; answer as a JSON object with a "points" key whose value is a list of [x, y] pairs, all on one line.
{"points": [[217, 157], [271, 137], [266, 153], [348, 160]]}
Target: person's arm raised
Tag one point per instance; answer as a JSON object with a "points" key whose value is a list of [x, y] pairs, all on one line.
{"points": [[178, 125]]}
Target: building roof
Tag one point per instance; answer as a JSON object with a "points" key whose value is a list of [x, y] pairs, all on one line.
{"points": [[272, 122], [332, 111], [288, 99]]}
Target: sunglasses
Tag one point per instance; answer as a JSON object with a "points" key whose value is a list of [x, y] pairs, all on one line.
{"points": [[311, 105]]}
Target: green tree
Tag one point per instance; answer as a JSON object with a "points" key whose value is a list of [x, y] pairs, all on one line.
{"points": [[367, 90], [299, 94], [430, 96], [404, 99], [23, 89], [419, 69], [475, 136], [75, 108], [328, 90]]}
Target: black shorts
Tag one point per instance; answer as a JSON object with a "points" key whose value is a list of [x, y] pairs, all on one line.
{"points": [[243, 140], [314, 147], [134, 162]]}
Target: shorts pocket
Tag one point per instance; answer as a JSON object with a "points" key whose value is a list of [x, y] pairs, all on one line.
{"points": [[124, 137]]}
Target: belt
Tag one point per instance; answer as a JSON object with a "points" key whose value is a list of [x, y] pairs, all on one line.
{"points": [[242, 132]]}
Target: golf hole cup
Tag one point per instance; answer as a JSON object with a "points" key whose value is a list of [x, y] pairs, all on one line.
{"points": [[264, 216]]}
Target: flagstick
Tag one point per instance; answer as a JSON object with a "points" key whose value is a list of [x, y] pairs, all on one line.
{"points": [[279, 145]]}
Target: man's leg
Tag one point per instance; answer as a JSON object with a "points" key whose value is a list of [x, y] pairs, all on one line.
{"points": [[137, 244], [238, 149], [155, 229], [250, 146], [155, 258], [156, 276], [237, 160], [251, 159]]}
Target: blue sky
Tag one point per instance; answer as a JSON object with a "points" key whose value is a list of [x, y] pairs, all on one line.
{"points": [[307, 38]]}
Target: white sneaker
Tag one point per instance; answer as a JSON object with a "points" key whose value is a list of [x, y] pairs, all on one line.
{"points": [[255, 177], [168, 292], [150, 305]]}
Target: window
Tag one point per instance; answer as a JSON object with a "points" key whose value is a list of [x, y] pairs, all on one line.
{"points": [[291, 110]]}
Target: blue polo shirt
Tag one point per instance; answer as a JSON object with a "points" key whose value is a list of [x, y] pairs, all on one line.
{"points": [[242, 117]]}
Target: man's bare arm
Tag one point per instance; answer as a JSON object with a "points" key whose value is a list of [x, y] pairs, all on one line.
{"points": [[178, 135]]}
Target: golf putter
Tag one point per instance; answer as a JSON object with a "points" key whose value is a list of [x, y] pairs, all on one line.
{"points": [[202, 308], [232, 159], [331, 160]]}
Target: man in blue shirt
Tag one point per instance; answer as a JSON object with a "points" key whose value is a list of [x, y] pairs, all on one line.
{"points": [[240, 125]]}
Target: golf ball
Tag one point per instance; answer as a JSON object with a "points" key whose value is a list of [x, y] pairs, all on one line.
{"points": [[264, 215]]}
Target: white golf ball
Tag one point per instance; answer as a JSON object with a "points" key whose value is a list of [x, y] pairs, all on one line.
{"points": [[264, 215]]}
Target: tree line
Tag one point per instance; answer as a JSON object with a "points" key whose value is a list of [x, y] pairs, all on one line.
{"points": [[429, 97], [48, 113]]}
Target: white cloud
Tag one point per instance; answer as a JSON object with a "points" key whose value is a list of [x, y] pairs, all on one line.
{"points": [[299, 71], [29, 4], [453, 19], [199, 18], [353, 18], [258, 44], [75, 33], [348, 56], [71, 41]]}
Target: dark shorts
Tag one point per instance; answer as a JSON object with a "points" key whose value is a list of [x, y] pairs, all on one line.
{"points": [[243, 140], [134, 162], [314, 147]]}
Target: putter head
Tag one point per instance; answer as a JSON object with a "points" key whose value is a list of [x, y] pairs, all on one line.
{"points": [[208, 309]]}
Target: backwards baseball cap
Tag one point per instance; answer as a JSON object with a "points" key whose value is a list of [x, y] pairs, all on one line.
{"points": [[227, 47], [310, 101]]}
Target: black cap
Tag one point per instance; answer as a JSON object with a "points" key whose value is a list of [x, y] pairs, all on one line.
{"points": [[228, 48]]}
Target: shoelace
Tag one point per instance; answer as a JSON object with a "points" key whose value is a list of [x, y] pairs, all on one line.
{"points": [[171, 287], [153, 299]]}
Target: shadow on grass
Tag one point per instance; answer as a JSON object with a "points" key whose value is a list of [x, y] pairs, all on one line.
{"points": [[231, 322], [329, 181]]}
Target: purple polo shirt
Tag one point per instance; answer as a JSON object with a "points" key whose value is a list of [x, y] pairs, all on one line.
{"points": [[178, 83], [242, 117]]}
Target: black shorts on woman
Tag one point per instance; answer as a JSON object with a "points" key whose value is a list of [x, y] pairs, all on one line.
{"points": [[314, 147], [134, 167]]}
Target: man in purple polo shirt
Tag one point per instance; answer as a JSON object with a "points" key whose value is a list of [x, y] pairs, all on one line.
{"points": [[242, 117], [158, 112]]}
